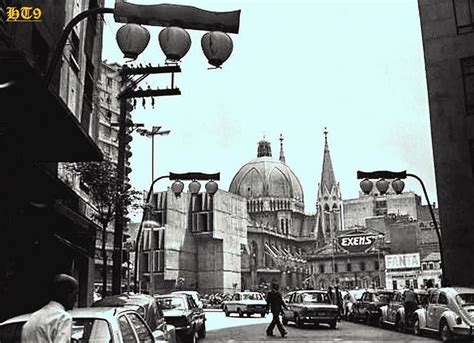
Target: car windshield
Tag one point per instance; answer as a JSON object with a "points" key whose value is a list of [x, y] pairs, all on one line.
{"points": [[172, 303], [90, 330], [315, 298], [465, 299], [252, 296]]}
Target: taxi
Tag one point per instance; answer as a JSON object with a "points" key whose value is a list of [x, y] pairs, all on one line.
{"points": [[449, 312], [248, 303]]}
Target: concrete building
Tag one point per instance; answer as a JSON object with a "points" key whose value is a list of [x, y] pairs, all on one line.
{"points": [[197, 243], [43, 220], [448, 41]]}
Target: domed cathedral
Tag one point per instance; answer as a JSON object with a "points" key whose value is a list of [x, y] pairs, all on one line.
{"points": [[329, 202], [279, 233]]}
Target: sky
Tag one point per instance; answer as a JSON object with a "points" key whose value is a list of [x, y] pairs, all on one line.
{"points": [[353, 66]]}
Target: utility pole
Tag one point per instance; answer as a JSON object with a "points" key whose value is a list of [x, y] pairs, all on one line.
{"points": [[128, 92]]}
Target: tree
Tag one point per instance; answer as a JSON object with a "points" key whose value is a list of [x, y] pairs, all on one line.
{"points": [[101, 180]]}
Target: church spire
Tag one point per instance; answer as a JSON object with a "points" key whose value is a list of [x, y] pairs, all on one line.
{"points": [[282, 154], [328, 180]]}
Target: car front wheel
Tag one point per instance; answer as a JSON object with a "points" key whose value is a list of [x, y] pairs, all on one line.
{"points": [[241, 314], [299, 323], [263, 314], [445, 332], [333, 324], [202, 331], [226, 311]]}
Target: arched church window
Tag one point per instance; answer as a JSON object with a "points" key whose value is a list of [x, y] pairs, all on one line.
{"points": [[286, 225], [326, 207], [282, 225], [334, 207]]}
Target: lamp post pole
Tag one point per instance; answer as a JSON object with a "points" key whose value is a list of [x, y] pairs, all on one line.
{"points": [[385, 174]]}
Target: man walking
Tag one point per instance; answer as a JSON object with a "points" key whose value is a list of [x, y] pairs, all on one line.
{"points": [[275, 303], [410, 304], [52, 323]]}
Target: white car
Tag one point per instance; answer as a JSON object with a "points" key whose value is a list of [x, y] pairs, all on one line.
{"points": [[196, 296], [100, 324], [449, 312], [246, 303]]}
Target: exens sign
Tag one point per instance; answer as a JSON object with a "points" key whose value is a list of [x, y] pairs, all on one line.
{"points": [[357, 242]]}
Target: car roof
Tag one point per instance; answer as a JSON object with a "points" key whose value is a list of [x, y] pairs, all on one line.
{"points": [[172, 295], [124, 299], [457, 290], [83, 312], [185, 292]]}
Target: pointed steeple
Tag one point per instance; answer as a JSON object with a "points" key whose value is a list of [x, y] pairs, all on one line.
{"points": [[282, 154], [328, 180]]}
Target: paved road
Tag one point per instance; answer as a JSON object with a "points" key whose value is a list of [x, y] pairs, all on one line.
{"points": [[221, 328]]}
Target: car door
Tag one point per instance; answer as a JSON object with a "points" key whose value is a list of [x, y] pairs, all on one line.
{"points": [[287, 311], [233, 302], [441, 306], [198, 312], [393, 307], [361, 305], [431, 311]]}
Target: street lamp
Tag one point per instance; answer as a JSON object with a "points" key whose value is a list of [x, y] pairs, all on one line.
{"points": [[155, 131], [177, 188], [398, 185]]}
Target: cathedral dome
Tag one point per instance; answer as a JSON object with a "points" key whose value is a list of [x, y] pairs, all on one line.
{"points": [[266, 177]]}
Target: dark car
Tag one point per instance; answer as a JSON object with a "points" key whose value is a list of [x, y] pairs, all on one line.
{"points": [[310, 307], [368, 307], [146, 306], [187, 317]]}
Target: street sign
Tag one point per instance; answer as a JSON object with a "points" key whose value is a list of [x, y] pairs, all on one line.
{"points": [[356, 242]]}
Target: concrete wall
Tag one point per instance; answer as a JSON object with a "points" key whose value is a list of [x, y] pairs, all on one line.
{"points": [[451, 131]]}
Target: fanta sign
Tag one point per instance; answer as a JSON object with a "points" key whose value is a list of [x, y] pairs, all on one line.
{"points": [[356, 243]]}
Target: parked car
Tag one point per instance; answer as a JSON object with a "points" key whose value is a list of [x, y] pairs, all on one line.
{"points": [[182, 311], [449, 312], [246, 303], [196, 296], [394, 312], [310, 306], [367, 308], [348, 300], [92, 325], [147, 307]]}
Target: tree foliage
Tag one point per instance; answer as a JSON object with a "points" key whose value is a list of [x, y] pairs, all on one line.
{"points": [[103, 189]]}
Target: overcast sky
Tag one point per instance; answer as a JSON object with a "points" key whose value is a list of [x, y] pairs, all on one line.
{"points": [[355, 67]]}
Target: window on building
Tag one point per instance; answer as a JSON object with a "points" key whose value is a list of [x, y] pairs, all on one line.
{"points": [[159, 261], [109, 82], [394, 284], [415, 283], [146, 262], [202, 214], [75, 48], [376, 265], [362, 265], [463, 15], [380, 207], [349, 267], [286, 226], [336, 268], [431, 266], [467, 69], [321, 268], [423, 266]]}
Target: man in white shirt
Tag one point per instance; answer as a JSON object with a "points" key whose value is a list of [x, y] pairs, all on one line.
{"points": [[52, 323]]}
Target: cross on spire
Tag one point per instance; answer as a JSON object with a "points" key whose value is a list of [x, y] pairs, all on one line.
{"points": [[282, 154]]}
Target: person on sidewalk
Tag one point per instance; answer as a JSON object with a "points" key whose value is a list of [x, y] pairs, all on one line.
{"points": [[275, 304], [52, 323]]}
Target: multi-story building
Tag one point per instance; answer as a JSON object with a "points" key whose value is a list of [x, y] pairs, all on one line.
{"points": [[43, 221], [448, 40]]}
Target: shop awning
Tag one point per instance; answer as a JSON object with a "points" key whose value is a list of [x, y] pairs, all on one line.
{"points": [[269, 250], [35, 123]]}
